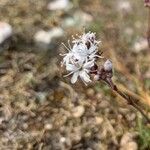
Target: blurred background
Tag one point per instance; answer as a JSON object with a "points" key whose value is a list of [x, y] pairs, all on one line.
{"points": [[39, 108]]}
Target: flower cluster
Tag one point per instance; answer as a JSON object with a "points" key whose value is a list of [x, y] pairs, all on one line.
{"points": [[80, 60]]}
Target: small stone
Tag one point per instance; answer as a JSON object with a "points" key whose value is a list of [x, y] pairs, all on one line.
{"points": [[68, 22], [78, 111], [124, 6], [78, 20], [48, 126], [99, 120], [25, 126], [131, 117], [5, 31], [59, 5], [113, 121], [83, 17], [99, 95], [128, 31], [56, 32], [119, 116], [104, 104], [90, 92], [127, 138], [44, 38], [140, 45], [62, 139], [123, 111], [41, 96], [130, 146]]}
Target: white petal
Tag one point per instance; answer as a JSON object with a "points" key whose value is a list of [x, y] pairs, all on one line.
{"points": [[67, 58], [92, 49], [84, 77], [74, 77], [88, 64], [70, 67]]}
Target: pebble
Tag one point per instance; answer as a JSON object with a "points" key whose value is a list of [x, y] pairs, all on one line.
{"points": [[44, 38], [99, 96], [124, 6], [104, 104], [79, 19], [98, 120], [113, 121], [131, 117], [83, 17], [127, 142], [128, 31], [59, 5], [5, 31], [68, 22], [62, 139], [90, 92], [127, 137], [130, 146], [140, 45], [78, 111], [48, 126], [41, 96], [123, 111]]}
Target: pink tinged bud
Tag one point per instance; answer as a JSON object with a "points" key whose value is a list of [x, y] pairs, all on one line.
{"points": [[96, 77], [108, 65], [147, 3]]}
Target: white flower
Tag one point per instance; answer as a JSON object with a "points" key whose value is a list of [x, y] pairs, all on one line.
{"points": [[80, 52], [81, 57], [80, 69]]}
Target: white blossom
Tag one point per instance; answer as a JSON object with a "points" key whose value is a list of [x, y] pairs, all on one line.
{"points": [[81, 57], [80, 69]]}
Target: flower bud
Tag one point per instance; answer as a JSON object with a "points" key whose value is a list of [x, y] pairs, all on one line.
{"points": [[96, 77], [108, 65], [147, 3]]}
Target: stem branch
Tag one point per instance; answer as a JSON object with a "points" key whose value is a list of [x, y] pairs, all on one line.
{"points": [[131, 102]]}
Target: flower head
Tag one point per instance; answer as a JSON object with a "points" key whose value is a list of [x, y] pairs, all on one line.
{"points": [[81, 57], [80, 69]]}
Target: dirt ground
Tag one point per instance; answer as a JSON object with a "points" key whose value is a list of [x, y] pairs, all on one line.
{"points": [[42, 110]]}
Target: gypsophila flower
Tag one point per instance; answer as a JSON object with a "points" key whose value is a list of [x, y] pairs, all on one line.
{"points": [[80, 69], [81, 57]]}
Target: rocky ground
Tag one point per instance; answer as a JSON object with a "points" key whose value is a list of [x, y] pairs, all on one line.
{"points": [[40, 109]]}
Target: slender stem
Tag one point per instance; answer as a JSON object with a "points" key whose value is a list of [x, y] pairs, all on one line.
{"points": [[131, 102], [148, 30]]}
